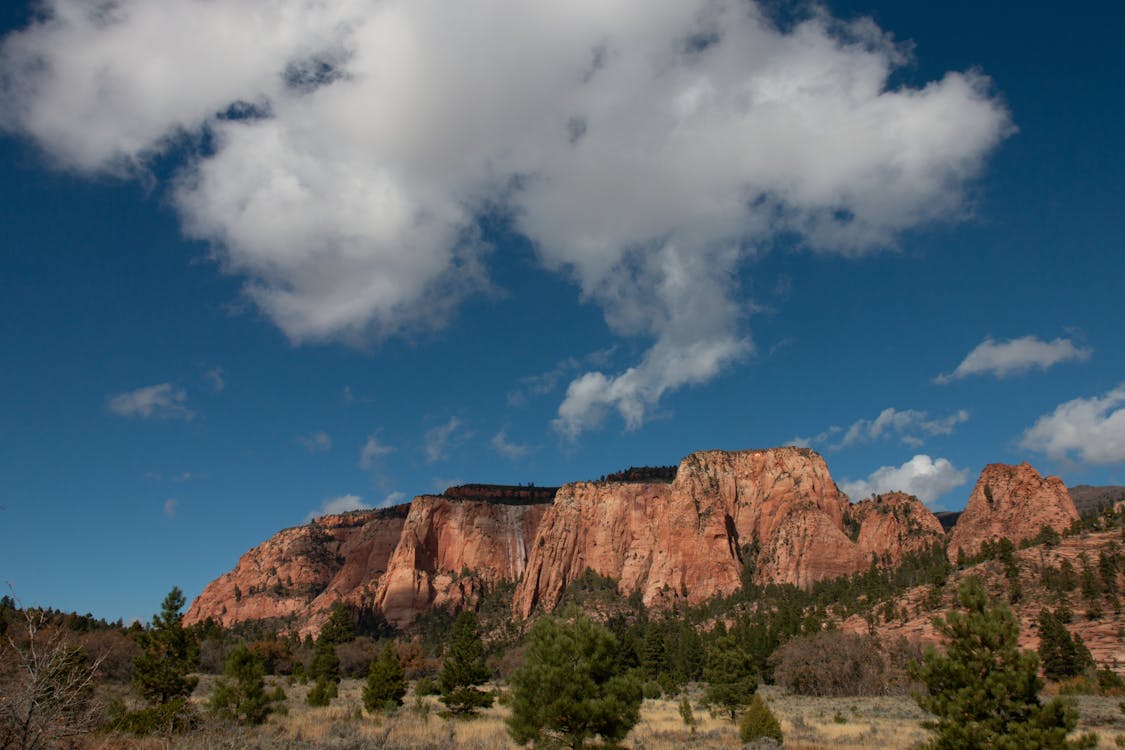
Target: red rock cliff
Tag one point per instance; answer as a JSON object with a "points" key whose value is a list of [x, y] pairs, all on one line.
{"points": [[1013, 502], [450, 549], [777, 510], [302, 571]]}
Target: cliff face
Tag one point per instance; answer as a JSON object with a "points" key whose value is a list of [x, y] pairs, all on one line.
{"points": [[449, 550], [775, 514], [895, 524], [304, 570], [436, 551], [1013, 502]]}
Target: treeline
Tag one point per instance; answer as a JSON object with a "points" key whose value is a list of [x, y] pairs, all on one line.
{"points": [[503, 494], [642, 474]]}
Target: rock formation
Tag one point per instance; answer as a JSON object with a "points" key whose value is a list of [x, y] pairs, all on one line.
{"points": [[775, 515], [305, 569], [449, 550], [1013, 502], [668, 534]]}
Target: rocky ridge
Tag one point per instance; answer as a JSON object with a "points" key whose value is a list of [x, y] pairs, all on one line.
{"points": [[694, 533]]}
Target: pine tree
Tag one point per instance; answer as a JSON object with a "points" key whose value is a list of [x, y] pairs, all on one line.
{"points": [[339, 628], [464, 668], [161, 672], [245, 699], [1061, 654], [386, 682], [984, 690], [569, 689], [730, 676], [325, 667], [759, 721]]}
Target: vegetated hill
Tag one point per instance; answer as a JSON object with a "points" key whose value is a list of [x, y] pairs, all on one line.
{"points": [[1090, 500], [726, 519], [1082, 573]]}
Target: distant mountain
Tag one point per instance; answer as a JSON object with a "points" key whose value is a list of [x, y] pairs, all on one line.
{"points": [[1090, 500]]}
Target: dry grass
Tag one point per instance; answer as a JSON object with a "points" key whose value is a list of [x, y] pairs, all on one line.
{"points": [[882, 723]]}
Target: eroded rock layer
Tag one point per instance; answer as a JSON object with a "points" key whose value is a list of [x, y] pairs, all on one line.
{"points": [[1013, 502]]}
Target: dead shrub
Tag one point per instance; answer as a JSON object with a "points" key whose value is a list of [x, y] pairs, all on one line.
{"points": [[833, 663]]}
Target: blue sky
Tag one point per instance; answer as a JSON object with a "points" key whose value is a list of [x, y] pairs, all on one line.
{"points": [[255, 263]]}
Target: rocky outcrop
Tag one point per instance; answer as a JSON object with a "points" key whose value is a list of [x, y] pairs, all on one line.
{"points": [[894, 525], [1013, 502], [450, 551], [773, 515], [302, 571]]}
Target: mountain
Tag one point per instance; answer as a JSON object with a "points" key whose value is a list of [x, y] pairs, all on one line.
{"points": [[1092, 500], [666, 535]]}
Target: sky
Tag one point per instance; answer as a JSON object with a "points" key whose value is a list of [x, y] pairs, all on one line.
{"points": [[265, 259]]}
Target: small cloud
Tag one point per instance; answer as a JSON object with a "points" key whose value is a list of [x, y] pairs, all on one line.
{"points": [[1091, 428], [909, 425], [340, 504], [393, 498], [160, 401], [318, 441], [441, 439], [371, 451], [547, 382], [183, 476], [214, 378], [925, 478], [347, 395], [1015, 357], [171, 505], [505, 447]]}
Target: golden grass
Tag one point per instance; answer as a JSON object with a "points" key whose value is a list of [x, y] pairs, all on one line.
{"points": [[883, 723]]}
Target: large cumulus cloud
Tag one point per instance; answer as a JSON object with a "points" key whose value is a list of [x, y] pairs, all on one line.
{"points": [[340, 152]]}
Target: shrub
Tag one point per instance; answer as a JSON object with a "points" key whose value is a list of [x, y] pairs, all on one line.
{"points": [[834, 663], [322, 693], [245, 699], [758, 722]]}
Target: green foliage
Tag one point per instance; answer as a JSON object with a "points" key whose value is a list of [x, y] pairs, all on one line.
{"points": [[1061, 654], [730, 676], [984, 690], [244, 700], [759, 721], [1109, 681], [427, 686], [173, 717], [386, 682], [464, 668], [322, 693], [687, 714], [569, 689], [339, 628], [161, 673]]}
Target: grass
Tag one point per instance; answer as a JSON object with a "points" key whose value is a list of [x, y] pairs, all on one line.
{"points": [[869, 723]]}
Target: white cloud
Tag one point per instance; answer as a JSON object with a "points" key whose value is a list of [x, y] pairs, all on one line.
{"points": [[214, 378], [502, 445], [393, 498], [925, 478], [171, 505], [371, 451], [1093, 429], [340, 504], [318, 441], [1015, 357], [907, 425], [441, 439], [160, 401], [646, 149]]}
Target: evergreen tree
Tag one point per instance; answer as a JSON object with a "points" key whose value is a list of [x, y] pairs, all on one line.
{"points": [[758, 722], [569, 689], [339, 628], [730, 676], [1062, 654], [245, 699], [161, 673], [464, 668], [325, 667], [386, 682], [984, 689]]}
